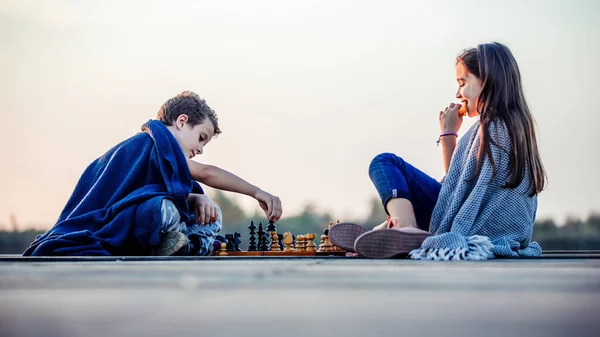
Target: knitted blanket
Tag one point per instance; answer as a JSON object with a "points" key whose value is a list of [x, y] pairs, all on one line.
{"points": [[474, 218], [115, 207]]}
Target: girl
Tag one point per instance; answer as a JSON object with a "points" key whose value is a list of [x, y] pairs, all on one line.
{"points": [[486, 204]]}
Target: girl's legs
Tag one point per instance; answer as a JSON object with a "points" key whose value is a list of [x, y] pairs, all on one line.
{"points": [[408, 195]]}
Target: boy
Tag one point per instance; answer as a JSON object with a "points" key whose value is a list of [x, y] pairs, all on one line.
{"points": [[142, 198]]}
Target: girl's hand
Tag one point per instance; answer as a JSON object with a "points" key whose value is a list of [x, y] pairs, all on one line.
{"points": [[204, 208], [450, 121], [270, 204]]}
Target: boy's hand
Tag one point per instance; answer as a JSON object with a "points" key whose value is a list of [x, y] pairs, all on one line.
{"points": [[204, 208], [270, 204]]}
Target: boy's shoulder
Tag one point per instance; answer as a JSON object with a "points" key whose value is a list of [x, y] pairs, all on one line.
{"points": [[132, 146]]}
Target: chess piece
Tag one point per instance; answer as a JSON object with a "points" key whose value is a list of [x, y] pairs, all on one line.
{"points": [[310, 245], [252, 238], [271, 227], [275, 243], [327, 246], [321, 242], [261, 237], [300, 243], [229, 238], [281, 246], [271, 230], [223, 251], [288, 240], [324, 239], [266, 244], [236, 242]]}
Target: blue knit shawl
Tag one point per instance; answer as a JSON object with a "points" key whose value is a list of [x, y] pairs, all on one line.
{"points": [[474, 218]]}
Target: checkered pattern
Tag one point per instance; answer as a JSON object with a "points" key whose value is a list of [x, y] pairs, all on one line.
{"points": [[474, 218]]}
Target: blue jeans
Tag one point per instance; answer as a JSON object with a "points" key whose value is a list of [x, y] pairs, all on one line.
{"points": [[395, 178]]}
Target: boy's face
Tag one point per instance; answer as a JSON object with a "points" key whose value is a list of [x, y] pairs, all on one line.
{"points": [[192, 139]]}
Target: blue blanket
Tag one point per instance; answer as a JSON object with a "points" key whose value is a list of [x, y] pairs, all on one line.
{"points": [[115, 207]]}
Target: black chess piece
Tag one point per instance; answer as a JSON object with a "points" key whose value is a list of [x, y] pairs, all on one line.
{"points": [[218, 240], [266, 241], [229, 238], [261, 237], [252, 238], [271, 227], [294, 239], [281, 245], [236, 242]]}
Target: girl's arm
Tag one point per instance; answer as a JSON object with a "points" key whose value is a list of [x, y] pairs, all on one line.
{"points": [[220, 179], [450, 122], [448, 146]]}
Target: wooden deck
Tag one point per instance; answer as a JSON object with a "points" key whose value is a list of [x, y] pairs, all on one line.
{"points": [[557, 295]]}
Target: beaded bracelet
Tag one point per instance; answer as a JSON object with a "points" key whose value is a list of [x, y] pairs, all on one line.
{"points": [[446, 134]]}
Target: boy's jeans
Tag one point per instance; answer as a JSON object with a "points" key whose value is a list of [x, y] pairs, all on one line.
{"points": [[395, 178], [200, 237]]}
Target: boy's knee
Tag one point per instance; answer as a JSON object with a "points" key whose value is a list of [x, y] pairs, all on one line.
{"points": [[171, 219]]}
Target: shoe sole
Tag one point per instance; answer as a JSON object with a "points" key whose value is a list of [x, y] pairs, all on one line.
{"points": [[388, 243], [344, 234], [171, 244]]}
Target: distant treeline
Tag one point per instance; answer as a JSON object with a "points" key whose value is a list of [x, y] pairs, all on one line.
{"points": [[574, 234]]}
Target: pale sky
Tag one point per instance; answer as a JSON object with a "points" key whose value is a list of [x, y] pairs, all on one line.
{"points": [[307, 92]]}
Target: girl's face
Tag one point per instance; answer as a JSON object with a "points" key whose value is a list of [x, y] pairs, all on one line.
{"points": [[469, 88]]}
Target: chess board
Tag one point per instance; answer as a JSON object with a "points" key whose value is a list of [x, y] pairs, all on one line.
{"points": [[266, 242], [280, 253]]}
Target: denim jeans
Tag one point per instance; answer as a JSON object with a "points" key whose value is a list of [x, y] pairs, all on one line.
{"points": [[395, 178]]}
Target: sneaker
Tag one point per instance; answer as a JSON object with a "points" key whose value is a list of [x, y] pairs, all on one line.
{"points": [[171, 243], [344, 234], [388, 243]]}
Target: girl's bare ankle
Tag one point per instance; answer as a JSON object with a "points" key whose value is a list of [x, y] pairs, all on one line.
{"points": [[397, 222]]}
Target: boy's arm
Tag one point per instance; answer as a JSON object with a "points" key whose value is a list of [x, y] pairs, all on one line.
{"points": [[223, 180]]}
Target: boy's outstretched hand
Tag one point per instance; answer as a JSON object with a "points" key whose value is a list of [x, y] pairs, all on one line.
{"points": [[270, 204], [204, 208]]}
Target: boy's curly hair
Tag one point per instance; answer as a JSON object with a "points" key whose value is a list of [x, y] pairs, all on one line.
{"points": [[190, 104]]}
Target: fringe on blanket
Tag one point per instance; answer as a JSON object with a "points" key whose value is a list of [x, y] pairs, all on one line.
{"points": [[480, 248]]}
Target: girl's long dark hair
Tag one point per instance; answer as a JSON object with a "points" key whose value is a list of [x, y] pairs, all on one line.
{"points": [[502, 100]]}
